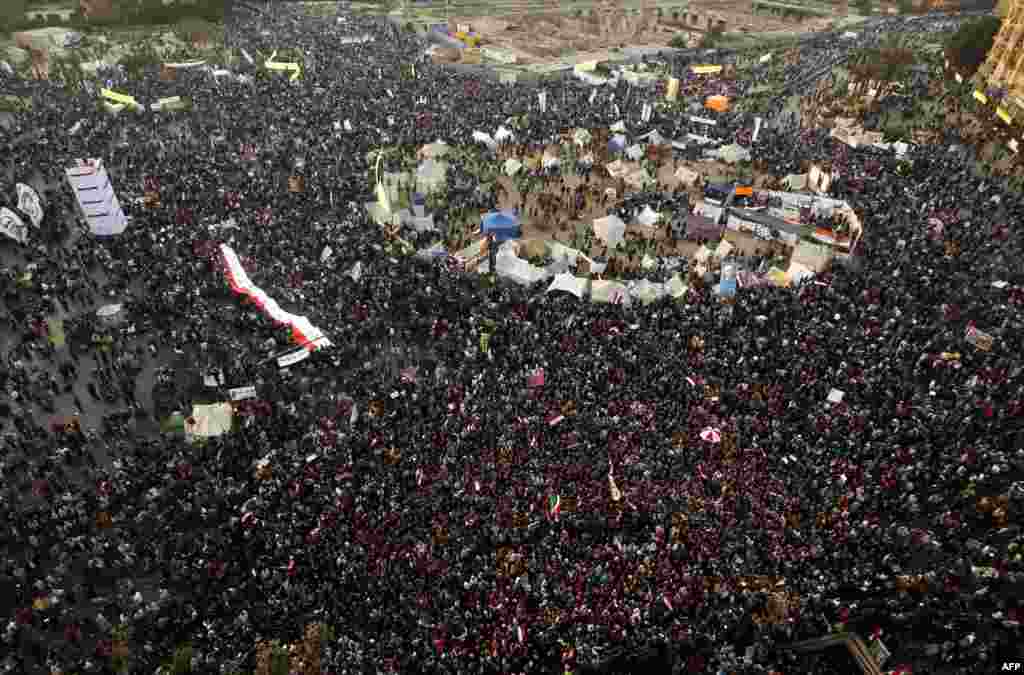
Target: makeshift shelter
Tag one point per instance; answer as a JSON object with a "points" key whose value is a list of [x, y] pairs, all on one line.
{"points": [[503, 225], [617, 169], [718, 192], [503, 134], [568, 284], [654, 138], [686, 176], [611, 230], [639, 178], [696, 226], [484, 138], [813, 257], [647, 291], [617, 143], [717, 103], [730, 154], [647, 216]]}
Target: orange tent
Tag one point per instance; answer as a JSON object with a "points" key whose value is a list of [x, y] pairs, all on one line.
{"points": [[717, 103]]}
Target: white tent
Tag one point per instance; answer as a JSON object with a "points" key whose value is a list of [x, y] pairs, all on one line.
{"points": [[653, 137], [646, 291], [568, 283], [619, 140], [486, 139], [617, 168], [510, 266], [676, 286], [512, 166], [503, 134], [611, 230], [732, 153], [648, 216], [635, 152]]}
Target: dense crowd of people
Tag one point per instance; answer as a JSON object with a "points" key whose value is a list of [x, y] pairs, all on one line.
{"points": [[407, 487]]}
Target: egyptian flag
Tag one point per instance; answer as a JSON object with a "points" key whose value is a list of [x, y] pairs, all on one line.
{"points": [[554, 506]]}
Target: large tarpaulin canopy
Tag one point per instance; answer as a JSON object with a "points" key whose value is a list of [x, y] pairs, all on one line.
{"points": [[611, 230]]}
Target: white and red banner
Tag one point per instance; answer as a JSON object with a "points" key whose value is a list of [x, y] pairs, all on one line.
{"points": [[304, 333]]}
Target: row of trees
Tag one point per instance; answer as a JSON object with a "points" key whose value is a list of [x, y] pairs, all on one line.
{"points": [[124, 12]]}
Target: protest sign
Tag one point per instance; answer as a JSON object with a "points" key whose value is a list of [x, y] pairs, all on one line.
{"points": [[242, 393], [29, 204]]}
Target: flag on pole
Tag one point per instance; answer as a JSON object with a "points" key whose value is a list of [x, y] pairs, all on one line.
{"points": [[521, 633], [554, 506], [667, 601]]}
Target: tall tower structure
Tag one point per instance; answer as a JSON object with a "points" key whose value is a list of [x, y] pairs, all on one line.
{"points": [[1005, 61]]}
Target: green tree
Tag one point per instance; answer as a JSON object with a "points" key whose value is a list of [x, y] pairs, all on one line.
{"points": [[679, 41], [12, 14], [967, 48]]}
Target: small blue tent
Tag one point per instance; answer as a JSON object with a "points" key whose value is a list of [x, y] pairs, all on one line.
{"points": [[503, 224]]}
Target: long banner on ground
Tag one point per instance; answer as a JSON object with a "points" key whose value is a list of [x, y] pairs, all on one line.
{"points": [[304, 333]]}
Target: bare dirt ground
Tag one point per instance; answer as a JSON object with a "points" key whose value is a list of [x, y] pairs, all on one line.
{"points": [[561, 224], [547, 37]]}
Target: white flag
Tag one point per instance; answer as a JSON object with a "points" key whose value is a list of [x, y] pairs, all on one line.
{"points": [[293, 358], [648, 111], [757, 129], [326, 253], [12, 225], [543, 99], [28, 203]]}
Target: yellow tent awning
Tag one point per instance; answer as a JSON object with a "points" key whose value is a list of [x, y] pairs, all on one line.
{"points": [[118, 98]]}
